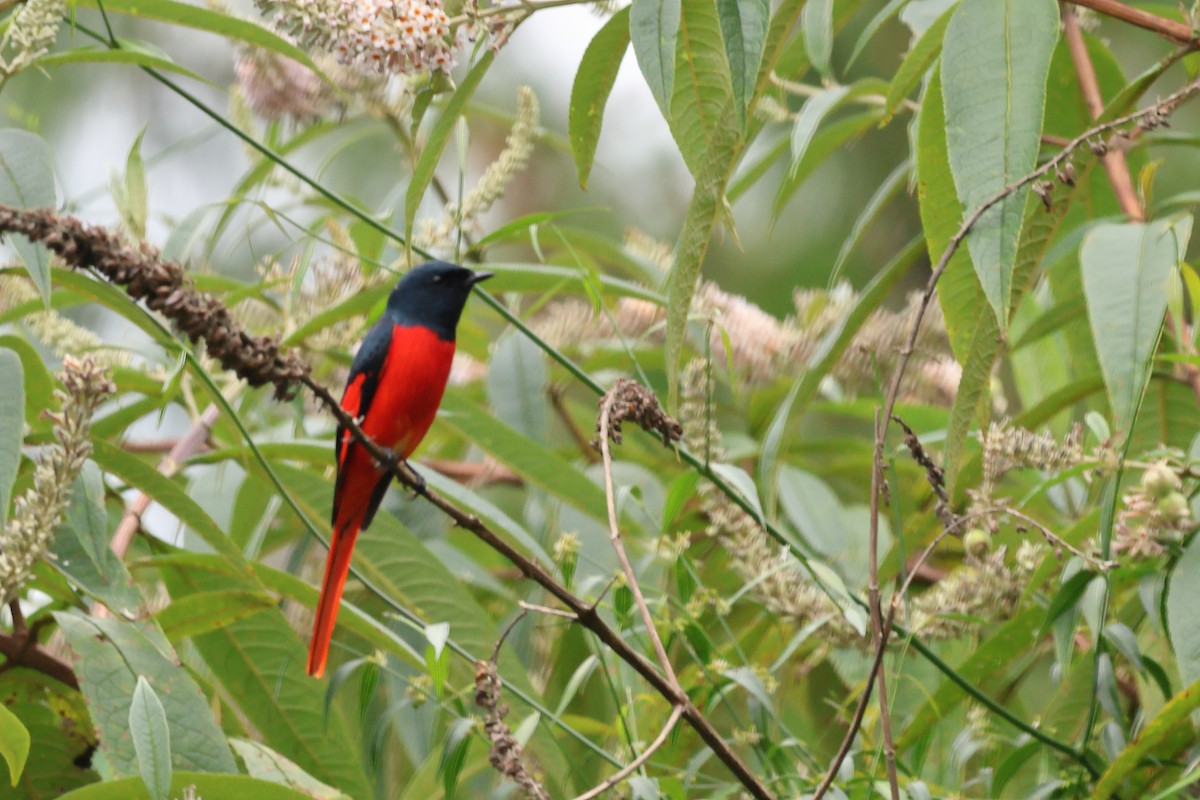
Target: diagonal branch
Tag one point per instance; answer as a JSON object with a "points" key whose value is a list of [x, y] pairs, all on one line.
{"points": [[1168, 29]]}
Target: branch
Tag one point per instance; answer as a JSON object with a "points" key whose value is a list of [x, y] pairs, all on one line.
{"points": [[1169, 29], [21, 649], [632, 766]]}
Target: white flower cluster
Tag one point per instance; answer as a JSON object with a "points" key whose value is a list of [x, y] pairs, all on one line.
{"points": [[390, 36], [31, 32]]}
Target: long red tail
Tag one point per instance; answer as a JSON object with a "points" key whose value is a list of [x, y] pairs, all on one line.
{"points": [[357, 493], [337, 567]]}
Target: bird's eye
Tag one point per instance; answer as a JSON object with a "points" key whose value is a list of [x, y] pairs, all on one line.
{"points": [[437, 278]]}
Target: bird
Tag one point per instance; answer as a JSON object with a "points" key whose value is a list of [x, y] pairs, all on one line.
{"points": [[395, 386]]}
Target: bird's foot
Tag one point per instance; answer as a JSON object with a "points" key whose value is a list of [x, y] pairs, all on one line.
{"points": [[418, 486]]}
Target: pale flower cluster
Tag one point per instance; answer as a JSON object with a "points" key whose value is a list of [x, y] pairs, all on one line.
{"points": [[29, 533], [31, 32], [55, 331], [401, 37]]}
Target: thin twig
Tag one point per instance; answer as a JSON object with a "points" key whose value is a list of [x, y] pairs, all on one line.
{"points": [[632, 766], [614, 537], [554, 612], [877, 629]]}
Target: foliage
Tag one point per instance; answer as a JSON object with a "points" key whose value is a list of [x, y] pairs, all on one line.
{"points": [[779, 592]]}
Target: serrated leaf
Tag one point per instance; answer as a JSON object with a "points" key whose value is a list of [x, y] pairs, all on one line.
{"points": [[439, 137], [14, 743], [653, 26], [995, 61], [111, 655], [1126, 268], [593, 84], [744, 28], [12, 424], [702, 108], [151, 739], [817, 27], [27, 181]]}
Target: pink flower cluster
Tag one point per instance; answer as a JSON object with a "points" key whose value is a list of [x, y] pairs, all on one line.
{"points": [[390, 36]]}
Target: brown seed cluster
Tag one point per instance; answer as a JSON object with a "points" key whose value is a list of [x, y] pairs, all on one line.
{"points": [[505, 755], [629, 400], [164, 287]]}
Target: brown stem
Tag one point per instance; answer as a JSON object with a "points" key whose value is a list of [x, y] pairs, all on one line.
{"points": [[1169, 29], [21, 649], [477, 474]]}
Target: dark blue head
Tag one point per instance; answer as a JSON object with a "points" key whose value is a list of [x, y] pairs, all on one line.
{"points": [[433, 295]]}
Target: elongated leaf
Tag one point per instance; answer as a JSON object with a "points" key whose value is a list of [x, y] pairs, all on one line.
{"points": [[593, 83], [744, 28], [14, 743], [810, 116], [916, 62], [817, 25], [517, 384], [12, 424], [1183, 595], [199, 18], [167, 493], [653, 26], [194, 614], [260, 663], [1126, 268], [225, 787], [96, 55], [27, 181], [1167, 722], [702, 107], [826, 142], [264, 763], [972, 396], [112, 654], [151, 739], [995, 60], [82, 552], [883, 195], [439, 137]]}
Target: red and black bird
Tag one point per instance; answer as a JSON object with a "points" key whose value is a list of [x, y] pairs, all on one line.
{"points": [[396, 383]]}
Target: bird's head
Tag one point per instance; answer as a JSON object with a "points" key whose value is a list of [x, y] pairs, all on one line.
{"points": [[433, 295]]}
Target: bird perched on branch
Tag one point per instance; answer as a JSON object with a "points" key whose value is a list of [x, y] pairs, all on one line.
{"points": [[395, 385]]}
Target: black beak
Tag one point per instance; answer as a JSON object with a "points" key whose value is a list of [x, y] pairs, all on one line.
{"points": [[478, 277]]}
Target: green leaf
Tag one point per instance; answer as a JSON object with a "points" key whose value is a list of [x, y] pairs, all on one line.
{"points": [[517, 384], [82, 552], [593, 84], [27, 181], [435, 145], [224, 787], [1167, 722], [167, 493], [199, 18], [744, 28], [195, 614], [1183, 597], [1126, 268], [97, 55], [811, 113], [971, 399], [887, 190], [702, 108], [995, 61], [833, 137], [12, 424], [653, 26], [259, 662], [14, 743], [264, 763], [454, 754], [959, 293], [111, 655], [817, 26], [916, 63], [151, 739], [133, 197]]}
